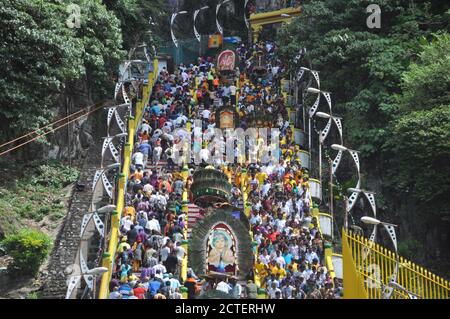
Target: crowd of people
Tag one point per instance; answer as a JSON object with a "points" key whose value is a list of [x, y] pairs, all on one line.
{"points": [[290, 248]]}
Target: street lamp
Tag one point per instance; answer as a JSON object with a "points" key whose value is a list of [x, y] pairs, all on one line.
{"points": [[96, 272], [106, 209], [196, 12], [390, 228], [105, 182], [330, 117], [112, 110], [245, 14], [313, 90], [172, 20], [219, 27], [107, 143], [341, 148]]}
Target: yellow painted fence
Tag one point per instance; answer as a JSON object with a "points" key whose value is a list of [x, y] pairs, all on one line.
{"points": [[369, 268], [133, 124]]}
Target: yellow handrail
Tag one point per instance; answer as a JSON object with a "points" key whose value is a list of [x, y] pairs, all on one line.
{"points": [[369, 268], [133, 123]]}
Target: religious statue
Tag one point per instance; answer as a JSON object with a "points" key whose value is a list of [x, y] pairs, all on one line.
{"points": [[221, 255]]}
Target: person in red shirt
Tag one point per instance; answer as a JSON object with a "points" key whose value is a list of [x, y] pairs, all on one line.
{"points": [[162, 120], [139, 291]]}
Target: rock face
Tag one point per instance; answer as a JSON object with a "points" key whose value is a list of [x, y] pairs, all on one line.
{"points": [[68, 240]]}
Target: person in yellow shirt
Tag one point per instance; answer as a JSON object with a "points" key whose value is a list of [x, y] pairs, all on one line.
{"points": [[281, 273], [298, 176], [229, 172], [292, 182], [129, 210], [261, 177], [122, 245], [273, 267], [237, 178]]}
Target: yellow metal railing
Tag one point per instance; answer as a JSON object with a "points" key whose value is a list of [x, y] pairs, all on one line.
{"points": [[133, 123], [369, 268]]}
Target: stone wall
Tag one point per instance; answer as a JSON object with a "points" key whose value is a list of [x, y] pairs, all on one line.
{"points": [[67, 243]]}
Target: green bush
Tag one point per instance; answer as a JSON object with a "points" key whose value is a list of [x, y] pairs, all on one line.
{"points": [[29, 249], [33, 295], [54, 174]]}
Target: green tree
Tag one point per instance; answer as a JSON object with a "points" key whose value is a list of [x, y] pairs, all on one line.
{"points": [[391, 87], [362, 67], [134, 16], [41, 58], [29, 249], [419, 147]]}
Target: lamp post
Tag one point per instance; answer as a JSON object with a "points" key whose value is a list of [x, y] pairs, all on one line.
{"points": [[313, 108], [107, 142], [96, 272], [107, 210], [172, 20], [219, 27], [341, 148], [324, 133], [390, 228], [112, 110], [106, 184], [245, 14], [196, 12]]}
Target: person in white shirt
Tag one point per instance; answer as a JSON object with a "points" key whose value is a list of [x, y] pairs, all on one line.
{"points": [[174, 283], [206, 114], [223, 286], [272, 291], [138, 160], [157, 151], [180, 252], [233, 90], [126, 223], [162, 269], [265, 188], [164, 253], [310, 255], [146, 128], [176, 295], [280, 260], [148, 188], [264, 257], [153, 224]]}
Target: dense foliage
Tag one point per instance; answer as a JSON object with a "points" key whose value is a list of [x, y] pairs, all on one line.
{"points": [[33, 192], [40, 55], [29, 249], [419, 147], [137, 18], [391, 85]]}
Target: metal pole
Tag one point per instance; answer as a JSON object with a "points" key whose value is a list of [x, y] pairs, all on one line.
{"points": [[345, 213], [94, 286], [309, 136], [320, 158], [331, 198]]}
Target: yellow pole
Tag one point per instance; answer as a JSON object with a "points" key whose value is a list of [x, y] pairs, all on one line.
{"points": [[109, 255]]}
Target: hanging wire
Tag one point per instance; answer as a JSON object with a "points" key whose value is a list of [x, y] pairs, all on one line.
{"points": [[52, 130]]}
